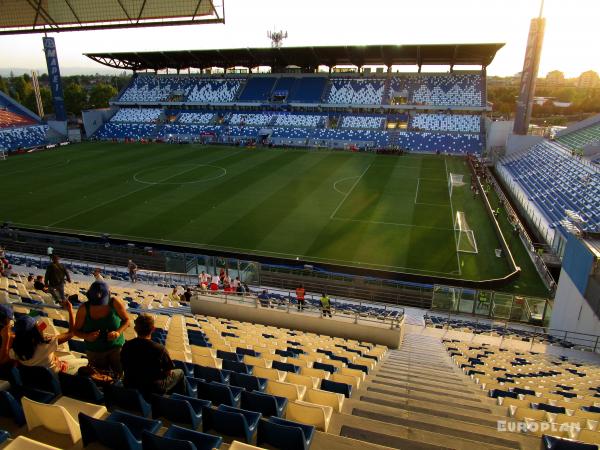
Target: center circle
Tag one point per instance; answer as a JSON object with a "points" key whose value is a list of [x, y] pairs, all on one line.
{"points": [[180, 174]]}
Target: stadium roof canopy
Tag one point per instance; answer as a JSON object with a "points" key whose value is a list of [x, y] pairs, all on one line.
{"points": [[43, 16], [308, 58]]}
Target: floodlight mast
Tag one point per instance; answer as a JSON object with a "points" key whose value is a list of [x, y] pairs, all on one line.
{"points": [[277, 38]]}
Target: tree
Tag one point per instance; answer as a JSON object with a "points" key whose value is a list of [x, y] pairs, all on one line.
{"points": [[46, 95], [100, 94], [3, 85], [75, 98]]}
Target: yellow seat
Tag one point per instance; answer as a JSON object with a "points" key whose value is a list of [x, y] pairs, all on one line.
{"points": [[290, 391], [317, 373], [304, 380], [309, 413], [269, 374], [257, 362], [325, 398], [207, 361], [353, 381], [588, 436]]}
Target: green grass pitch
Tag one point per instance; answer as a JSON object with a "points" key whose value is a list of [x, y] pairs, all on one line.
{"points": [[354, 209]]}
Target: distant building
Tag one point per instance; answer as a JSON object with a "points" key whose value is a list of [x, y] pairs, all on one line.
{"points": [[555, 78], [588, 79]]}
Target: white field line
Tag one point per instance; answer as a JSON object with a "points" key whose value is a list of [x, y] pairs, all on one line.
{"points": [[349, 192]]}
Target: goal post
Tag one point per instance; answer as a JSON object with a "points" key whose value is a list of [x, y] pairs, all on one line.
{"points": [[465, 237], [455, 180], [2, 154]]}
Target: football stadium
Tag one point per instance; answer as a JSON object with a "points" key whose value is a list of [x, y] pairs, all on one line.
{"points": [[309, 246]]}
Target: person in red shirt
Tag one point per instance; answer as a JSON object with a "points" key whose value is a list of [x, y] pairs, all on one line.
{"points": [[300, 297]]}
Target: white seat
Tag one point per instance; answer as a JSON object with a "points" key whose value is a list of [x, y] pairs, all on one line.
{"points": [[24, 443], [61, 416], [325, 398], [290, 391], [309, 413], [269, 374], [237, 445], [304, 380], [207, 361]]}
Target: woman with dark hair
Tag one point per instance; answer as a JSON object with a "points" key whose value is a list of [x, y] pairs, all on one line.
{"points": [[31, 347], [100, 322]]}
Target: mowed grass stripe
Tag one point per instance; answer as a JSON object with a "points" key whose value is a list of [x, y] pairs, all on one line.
{"points": [[274, 202]]}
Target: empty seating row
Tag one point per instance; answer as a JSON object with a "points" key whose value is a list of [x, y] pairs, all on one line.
{"points": [[446, 122], [137, 115]]}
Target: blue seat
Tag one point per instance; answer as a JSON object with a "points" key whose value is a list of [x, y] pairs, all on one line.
{"points": [[334, 386], [209, 374], [327, 367], [80, 387], [233, 422], [40, 378], [4, 435], [285, 353], [555, 443], [188, 369], [219, 393], [248, 382], [230, 356], [236, 366], [119, 431], [495, 393], [339, 358], [176, 410], [76, 345], [286, 367], [284, 434], [119, 397], [365, 369], [267, 404], [551, 408], [178, 438], [10, 407], [246, 351]]}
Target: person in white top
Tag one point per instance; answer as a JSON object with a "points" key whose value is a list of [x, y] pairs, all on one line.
{"points": [[98, 274], [32, 348], [203, 279], [214, 283]]}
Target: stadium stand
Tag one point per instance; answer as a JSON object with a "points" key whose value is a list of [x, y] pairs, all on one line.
{"points": [[456, 89], [250, 119], [426, 132], [555, 181], [582, 137], [551, 395], [137, 131], [446, 122], [11, 119], [198, 118], [23, 137], [214, 91], [20, 129], [299, 120], [257, 89], [137, 115], [375, 122], [355, 92]]}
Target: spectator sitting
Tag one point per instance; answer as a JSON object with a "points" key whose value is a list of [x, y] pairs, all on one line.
{"points": [[38, 284], [265, 299], [187, 295], [174, 295], [30, 282], [6, 318], [147, 364], [98, 274], [100, 322], [214, 283], [31, 348]]}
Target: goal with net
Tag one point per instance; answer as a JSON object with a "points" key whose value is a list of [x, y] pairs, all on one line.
{"points": [[455, 180], [465, 238]]}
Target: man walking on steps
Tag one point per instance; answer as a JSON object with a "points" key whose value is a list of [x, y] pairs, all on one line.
{"points": [[56, 275]]}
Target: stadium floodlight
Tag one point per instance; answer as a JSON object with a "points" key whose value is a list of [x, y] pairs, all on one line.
{"points": [[277, 38]]}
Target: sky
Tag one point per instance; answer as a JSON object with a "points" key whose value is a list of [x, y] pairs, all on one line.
{"points": [[570, 43]]}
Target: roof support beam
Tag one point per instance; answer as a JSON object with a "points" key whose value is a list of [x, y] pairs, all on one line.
{"points": [[142, 12], [73, 11]]}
